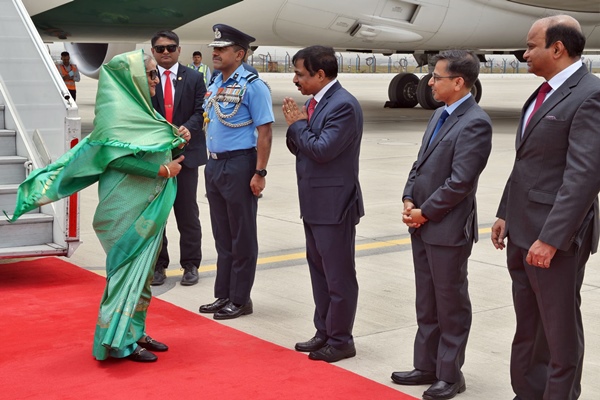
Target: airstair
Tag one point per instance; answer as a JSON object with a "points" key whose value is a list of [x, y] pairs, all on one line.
{"points": [[38, 123]]}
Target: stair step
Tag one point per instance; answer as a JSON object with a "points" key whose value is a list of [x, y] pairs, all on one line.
{"points": [[29, 229], [8, 197], [12, 169], [8, 143], [48, 249]]}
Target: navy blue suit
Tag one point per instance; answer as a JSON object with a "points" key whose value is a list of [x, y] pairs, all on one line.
{"points": [[327, 151]]}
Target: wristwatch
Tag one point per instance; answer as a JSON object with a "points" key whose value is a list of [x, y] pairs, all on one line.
{"points": [[261, 172]]}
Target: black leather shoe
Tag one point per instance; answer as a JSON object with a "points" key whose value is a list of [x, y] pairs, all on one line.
{"points": [[140, 354], [313, 344], [153, 345], [231, 311], [414, 377], [441, 390], [190, 276], [214, 306], [159, 276], [330, 354]]}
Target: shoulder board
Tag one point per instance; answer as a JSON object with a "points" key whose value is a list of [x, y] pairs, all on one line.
{"points": [[251, 77]]}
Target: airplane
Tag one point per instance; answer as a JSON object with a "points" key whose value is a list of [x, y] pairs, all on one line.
{"points": [[95, 31]]}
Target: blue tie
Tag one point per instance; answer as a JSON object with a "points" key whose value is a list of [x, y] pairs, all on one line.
{"points": [[439, 125]]}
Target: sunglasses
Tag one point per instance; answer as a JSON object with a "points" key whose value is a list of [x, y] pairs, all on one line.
{"points": [[171, 48], [152, 74]]}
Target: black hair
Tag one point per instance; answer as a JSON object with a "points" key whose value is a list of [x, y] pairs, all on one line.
{"points": [[571, 38], [166, 34], [462, 63], [316, 58], [196, 53], [65, 53]]}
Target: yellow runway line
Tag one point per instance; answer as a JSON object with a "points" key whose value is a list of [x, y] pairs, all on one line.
{"points": [[301, 256]]}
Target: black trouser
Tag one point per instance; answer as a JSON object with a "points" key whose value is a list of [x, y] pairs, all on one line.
{"points": [[330, 255], [187, 216], [233, 209]]}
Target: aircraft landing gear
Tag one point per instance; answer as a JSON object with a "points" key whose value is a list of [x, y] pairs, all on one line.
{"points": [[403, 91], [406, 90], [425, 96]]}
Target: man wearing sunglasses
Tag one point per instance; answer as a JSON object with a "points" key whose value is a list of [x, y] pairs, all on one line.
{"points": [[441, 213], [179, 99]]}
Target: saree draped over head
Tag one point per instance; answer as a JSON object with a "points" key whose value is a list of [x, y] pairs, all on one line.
{"points": [[132, 209]]}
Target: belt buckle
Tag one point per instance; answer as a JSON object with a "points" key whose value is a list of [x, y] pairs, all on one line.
{"points": [[214, 156]]}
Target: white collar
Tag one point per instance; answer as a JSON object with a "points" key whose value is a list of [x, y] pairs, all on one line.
{"points": [[324, 90]]}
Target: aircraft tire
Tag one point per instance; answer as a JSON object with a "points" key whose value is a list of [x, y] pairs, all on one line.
{"points": [[403, 90], [424, 95], [477, 91]]}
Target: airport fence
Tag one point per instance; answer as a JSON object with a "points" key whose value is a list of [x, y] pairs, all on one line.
{"points": [[366, 63]]}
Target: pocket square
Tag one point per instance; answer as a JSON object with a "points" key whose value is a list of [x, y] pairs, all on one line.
{"points": [[551, 118]]}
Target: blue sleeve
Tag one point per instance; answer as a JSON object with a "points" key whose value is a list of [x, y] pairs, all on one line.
{"points": [[260, 104]]}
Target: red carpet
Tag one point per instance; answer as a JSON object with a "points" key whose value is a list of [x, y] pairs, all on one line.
{"points": [[47, 321]]}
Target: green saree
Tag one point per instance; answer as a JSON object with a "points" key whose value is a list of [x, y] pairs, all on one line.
{"points": [[132, 210]]}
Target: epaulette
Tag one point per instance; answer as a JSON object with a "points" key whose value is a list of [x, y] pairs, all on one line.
{"points": [[251, 77]]}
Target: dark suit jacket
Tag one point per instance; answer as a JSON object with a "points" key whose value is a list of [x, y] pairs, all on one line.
{"points": [[189, 97], [443, 180], [327, 151], [552, 192]]}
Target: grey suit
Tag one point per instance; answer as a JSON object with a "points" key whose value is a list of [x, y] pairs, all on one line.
{"points": [[327, 151], [443, 183], [551, 195]]}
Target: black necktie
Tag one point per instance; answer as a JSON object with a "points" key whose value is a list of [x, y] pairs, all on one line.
{"points": [[439, 125]]}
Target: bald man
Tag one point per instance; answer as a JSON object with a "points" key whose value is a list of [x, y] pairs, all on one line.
{"points": [[549, 213]]}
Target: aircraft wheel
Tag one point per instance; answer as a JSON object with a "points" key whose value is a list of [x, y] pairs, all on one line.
{"points": [[477, 91], [424, 95], [403, 90]]}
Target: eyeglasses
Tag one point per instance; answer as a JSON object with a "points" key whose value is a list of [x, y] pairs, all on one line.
{"points": [[437, 77], [152, 74], [171, 48]]}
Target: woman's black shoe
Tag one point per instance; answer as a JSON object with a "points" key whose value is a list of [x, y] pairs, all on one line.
{"points": [[153, 345], [142, 355]]}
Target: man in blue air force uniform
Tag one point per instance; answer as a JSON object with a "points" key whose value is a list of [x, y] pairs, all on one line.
{"points": [[238, 120]]}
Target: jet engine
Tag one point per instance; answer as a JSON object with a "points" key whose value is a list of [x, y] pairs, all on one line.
{"points": [[89, 57]]}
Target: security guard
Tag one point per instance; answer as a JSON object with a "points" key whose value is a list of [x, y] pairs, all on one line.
{"points": [[198, 65], [236, 105]]}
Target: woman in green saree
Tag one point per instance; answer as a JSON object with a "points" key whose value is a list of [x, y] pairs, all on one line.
{"points": [[129, 155]]}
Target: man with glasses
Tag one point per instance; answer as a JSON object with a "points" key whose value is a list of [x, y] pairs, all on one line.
{"points": [[179, 99], [441, 213]]}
